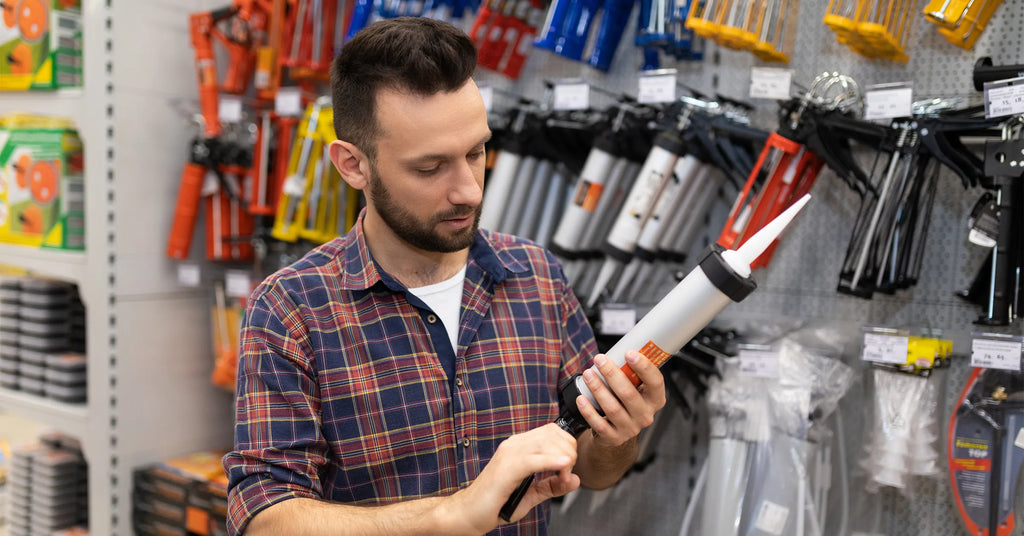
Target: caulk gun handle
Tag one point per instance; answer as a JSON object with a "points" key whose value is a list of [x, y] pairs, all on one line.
{"points": [[570, 420], [513, 501]]}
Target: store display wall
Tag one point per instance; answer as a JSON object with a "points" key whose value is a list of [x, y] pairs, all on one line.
{"points": [[800, 285]]}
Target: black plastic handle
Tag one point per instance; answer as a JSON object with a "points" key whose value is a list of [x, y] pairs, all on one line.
{"points": [[570, 420], [984, 71]]}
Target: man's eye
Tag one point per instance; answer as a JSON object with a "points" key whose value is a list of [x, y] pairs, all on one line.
{"points": [[475, 155], [430, 171]]}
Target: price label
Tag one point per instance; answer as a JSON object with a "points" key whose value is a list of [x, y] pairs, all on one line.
{"points": [[759, 363], [770, 83], [889, 102], [617, 319], [237, 283], [487, 92], [571, 96], [1003, 354], [189, 274], [1004, 97], [288, 101], [771, 518], [657, 86], [884, 348], [229, 108]]}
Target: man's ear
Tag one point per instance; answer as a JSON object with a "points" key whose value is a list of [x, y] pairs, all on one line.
{"points": [[348, 160]]}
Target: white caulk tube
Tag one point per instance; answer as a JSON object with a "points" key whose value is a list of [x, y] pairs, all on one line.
{"points": [[618, 186], [554, 207], [651, 182], [531, 209], [679, 184], [524, 180], [721, 277], [499, 184], [590, 188], [654, 176]]}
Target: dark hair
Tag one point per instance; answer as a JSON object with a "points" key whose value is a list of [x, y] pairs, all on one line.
{"points": [[415, 54]]}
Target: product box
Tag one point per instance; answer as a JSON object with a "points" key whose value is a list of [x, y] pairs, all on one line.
{"points": [[42, 188], [41, 41]]}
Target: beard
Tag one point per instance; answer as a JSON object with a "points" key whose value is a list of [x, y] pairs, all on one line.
{"points": [[422, 234]]}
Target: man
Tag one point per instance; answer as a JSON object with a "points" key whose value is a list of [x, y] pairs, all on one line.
{"points": [[402, 379]]}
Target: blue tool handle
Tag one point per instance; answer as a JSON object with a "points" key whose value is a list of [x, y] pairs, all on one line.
{"points": [[576, 28], [651, 61], [360, 17], [552, 27], [609, 33]]}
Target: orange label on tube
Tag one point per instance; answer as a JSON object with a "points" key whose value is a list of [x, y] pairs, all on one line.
{"points": [[654, 353], [593, 196]]}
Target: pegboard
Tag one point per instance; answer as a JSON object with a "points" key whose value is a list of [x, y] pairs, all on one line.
{"points": [[800, 285]]}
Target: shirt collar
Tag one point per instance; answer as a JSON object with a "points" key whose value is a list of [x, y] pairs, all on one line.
{"points": [[358, 271]]}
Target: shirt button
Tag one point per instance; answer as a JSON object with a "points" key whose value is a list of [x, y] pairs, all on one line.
{"points": [[431, 319], [465, 442], [458, 381]]}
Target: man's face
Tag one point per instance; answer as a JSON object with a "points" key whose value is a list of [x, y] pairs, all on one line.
{"points": [[426, 185], [425, 235]]}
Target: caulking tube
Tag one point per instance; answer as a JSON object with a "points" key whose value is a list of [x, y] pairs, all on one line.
{"points": [[610, 204], [499, 184], [643, 197], [531, 210], [677, 241], [722, 277], [679, 185], [554, 207], [591, 189], [517, 196], [690, 207]]}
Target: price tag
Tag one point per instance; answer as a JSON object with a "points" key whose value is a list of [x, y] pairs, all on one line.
{"points": [[770, 83], [1004, 97], [758, 362], [571, 96], [996, 352], [487, 92], [771, 518], [617, 318], [656, 86], [288, 101], [886, 348], [189, 274], [888, 101], [229, 108], [237, 283]]}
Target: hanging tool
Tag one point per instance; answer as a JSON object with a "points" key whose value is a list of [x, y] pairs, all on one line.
{"points": [[294, 202], [984, 459], [766, 29], [784, 170], [209, 153], [963, 21]]}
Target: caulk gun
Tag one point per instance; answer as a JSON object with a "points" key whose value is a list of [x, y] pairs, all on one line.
{"points": [[721, 277]]}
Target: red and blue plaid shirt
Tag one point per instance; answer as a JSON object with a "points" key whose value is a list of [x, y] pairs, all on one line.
{"points": [[343, 392]]}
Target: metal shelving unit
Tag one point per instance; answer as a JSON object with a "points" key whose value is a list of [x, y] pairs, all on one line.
{"points": [[150, 397], [71, 419], [59, 264]]}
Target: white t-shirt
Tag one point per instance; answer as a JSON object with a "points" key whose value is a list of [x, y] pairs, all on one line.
{"points": [[445, 299]]}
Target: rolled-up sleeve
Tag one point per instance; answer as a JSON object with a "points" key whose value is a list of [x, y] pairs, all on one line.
{"points": [[279, 451]]}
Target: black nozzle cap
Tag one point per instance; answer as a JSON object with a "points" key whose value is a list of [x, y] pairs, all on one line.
{"points": [[570, 418], [733, 285]]}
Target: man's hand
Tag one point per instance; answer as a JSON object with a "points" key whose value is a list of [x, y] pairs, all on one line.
{"points": [[627, 409], [548, 448]]}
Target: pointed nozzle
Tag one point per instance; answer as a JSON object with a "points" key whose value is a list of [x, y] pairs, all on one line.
{"points": [[757, 244]]}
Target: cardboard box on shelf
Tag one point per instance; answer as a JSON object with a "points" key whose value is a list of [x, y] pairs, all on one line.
{"points": [[42, 188], [41, 41]]}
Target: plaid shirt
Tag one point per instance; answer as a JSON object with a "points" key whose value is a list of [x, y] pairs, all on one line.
{"points": [[342, 389]]}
